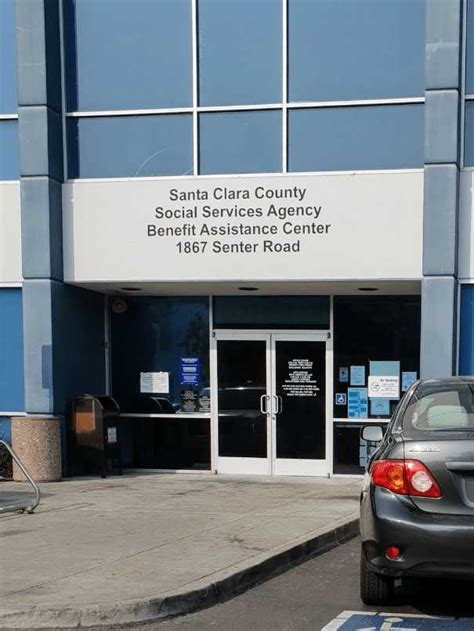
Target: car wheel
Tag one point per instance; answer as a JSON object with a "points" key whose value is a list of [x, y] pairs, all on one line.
{"points": [[375, 589]]}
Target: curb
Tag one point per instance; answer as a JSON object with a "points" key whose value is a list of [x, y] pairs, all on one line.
{"points": [[150, 609]]}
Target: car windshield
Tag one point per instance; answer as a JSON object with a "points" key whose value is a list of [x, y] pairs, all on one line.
{"points": [[445, 407]]}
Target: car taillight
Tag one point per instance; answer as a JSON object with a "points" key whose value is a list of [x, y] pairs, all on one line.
{"points": [[405, 477]]}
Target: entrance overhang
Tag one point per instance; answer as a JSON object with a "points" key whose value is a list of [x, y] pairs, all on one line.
{"points": [[264, 288]]}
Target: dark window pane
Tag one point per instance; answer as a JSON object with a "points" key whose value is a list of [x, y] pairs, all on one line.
{"points": [[130, 146], [301, 390], [240, 52], [280, 312], [242, 380], [240, 142], [351, 452], [381, 328], [8, 98], [347, 138], [152, 335], [355, 49], [128, 54], [163, 443], [9, 158]]}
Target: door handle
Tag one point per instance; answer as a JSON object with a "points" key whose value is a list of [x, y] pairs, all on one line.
{"points": [[264, 408], [278, 404]]}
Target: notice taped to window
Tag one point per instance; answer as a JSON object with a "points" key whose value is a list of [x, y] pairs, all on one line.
{"points": [[154, 382], [300, 381]]}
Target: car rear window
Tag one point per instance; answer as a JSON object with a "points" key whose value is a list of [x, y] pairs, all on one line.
{"points": [[441, 408]]}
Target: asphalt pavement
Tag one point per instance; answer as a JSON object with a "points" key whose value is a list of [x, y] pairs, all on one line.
{"points": [[321, 591]]}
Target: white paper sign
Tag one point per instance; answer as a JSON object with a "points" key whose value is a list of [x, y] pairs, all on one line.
{"points": [[111, 435], [384, 387], [154, 382]]}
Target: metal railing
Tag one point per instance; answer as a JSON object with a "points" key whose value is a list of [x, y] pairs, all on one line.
{"points": [[29, 508]]}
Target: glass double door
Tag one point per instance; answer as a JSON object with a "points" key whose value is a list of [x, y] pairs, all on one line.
{"points": [[271, 403]]}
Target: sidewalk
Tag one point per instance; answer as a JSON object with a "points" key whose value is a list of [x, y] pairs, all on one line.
{"points": [[146, 546]]}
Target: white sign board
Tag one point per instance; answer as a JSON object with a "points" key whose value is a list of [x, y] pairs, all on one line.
{"points": [[154, 382], [111, 435], [291, 227], [384, 387], [10, 233]]}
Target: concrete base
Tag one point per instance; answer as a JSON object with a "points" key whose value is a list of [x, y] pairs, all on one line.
{"points": [[37, 442]]}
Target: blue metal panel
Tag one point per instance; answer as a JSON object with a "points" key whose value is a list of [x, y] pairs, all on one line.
{"points": [[441, 126], [40, 142], [240, 52], [240, 142], [41, 228], [347, 138], [128, 54], [438, 327], [11, 351], [356, 49], [440, 219], [469, 135], [130, 146], [443, 43], [9, 158], [470, 48], [466, 341], [8, 100]]}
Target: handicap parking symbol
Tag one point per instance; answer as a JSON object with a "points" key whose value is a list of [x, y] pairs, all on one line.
{"points": [[371, 621], [341, 398]]}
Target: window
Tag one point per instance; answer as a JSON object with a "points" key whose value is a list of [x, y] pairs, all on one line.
{"points": [[128, 54], [9, 158], [240, 51], [346, 138], [355, 49], [11, 351], [240, 142], [377, 330], [208, 87], [441, 408], [8, 98], [130, 146]]}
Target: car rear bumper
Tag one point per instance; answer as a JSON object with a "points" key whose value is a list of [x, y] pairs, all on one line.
{"points": [[432, 545]]}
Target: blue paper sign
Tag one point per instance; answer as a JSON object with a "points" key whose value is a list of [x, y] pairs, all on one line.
{"points": [[190, 371], [357, 375], [380, 407], [341, 398], [357, 403], [344, 374], [408, 378]]}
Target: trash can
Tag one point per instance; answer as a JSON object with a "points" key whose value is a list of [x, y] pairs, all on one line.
{"points": [[94, 435]]}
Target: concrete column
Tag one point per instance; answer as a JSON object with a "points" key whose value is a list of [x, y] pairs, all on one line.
{"points": [[441, 187], [63, 326], [37, 442]]}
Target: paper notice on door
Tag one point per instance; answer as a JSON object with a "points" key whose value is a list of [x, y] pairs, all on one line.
{"points": [[155, 382]]}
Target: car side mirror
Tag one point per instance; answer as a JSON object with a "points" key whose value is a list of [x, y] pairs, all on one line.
{"points": [[373, 433]]}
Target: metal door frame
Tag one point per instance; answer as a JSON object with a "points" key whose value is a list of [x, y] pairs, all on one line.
{"points": [[270, 464]]}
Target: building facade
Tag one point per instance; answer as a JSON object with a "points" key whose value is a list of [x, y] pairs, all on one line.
{"points": [[249, 221]]}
